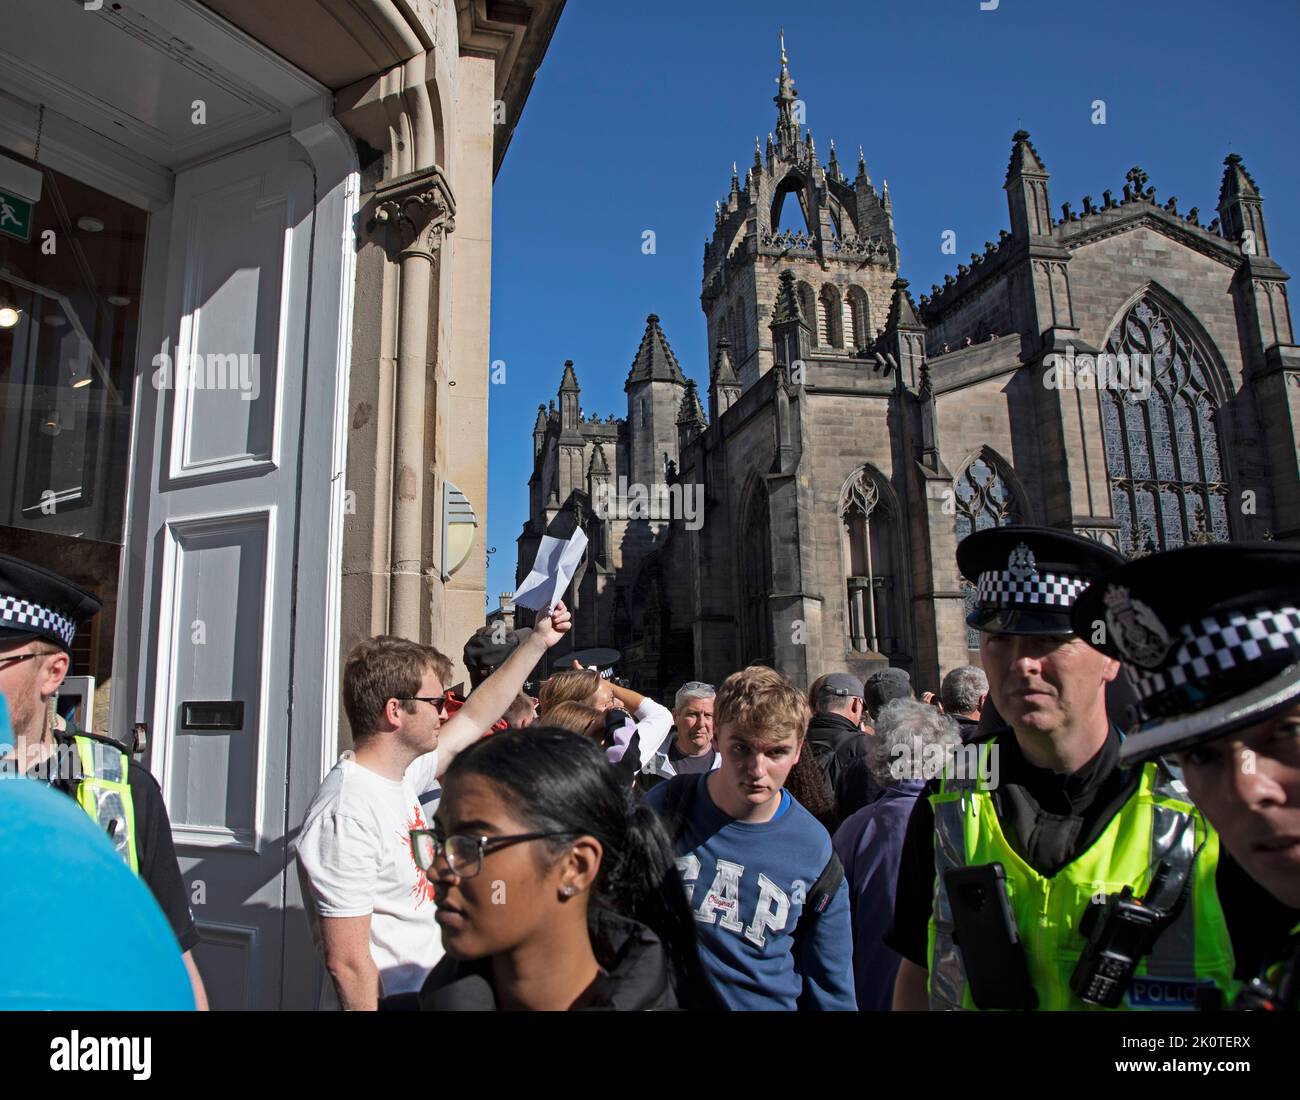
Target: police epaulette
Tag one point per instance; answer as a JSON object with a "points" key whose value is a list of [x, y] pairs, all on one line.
{"points": [[103, 739]]}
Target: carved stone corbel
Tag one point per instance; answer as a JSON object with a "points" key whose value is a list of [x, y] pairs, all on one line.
{"points": [[418, 211]]}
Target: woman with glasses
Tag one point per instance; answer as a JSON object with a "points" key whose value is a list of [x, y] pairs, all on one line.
{"points": [[555, 887]]}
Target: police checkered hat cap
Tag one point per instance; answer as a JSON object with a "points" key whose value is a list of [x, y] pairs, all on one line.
{"points": [[1210, 634], [1027, 578], [36, 603]]}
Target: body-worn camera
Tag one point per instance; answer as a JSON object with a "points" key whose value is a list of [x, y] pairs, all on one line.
{"points": [[1120, 931]]}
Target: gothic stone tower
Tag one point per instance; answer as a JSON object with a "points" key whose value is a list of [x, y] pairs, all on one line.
{"points": [[845, 255]]}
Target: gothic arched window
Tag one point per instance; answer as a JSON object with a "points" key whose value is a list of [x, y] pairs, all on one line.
{"points": [[831, 318], [984, 498], [858, 318], [788, 214], [871, 562], [1168, 486]]}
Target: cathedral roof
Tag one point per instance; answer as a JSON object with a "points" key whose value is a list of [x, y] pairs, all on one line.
{"points": [[655, 361], [569, 383]]}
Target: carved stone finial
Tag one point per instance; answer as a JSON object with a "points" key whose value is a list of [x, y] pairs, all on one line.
{"points": [[1137, 178]]}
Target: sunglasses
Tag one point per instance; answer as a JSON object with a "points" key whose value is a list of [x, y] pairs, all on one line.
{"points": [[438, 702]]}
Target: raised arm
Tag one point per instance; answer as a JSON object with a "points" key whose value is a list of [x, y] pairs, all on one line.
{"points": [[491, 698]]}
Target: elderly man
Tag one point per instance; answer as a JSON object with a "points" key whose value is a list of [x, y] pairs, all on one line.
{"points": [[963, 694], [688, 749], [837, 743]]}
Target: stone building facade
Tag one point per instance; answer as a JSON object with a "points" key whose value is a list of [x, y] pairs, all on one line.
{"points": [[1124, 370]]}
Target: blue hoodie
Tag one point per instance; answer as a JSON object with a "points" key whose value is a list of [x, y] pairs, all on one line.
{"points": [[747, 884]]}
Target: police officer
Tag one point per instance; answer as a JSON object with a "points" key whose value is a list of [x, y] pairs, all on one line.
{"points": [[40, 612], [1212, 634], [1048, 803]]}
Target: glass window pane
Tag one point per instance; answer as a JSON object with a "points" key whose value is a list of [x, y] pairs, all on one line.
{"points": [[68, 363]]}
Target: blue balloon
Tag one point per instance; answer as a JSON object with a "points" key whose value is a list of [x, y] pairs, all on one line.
{"points": [[79, 929]]}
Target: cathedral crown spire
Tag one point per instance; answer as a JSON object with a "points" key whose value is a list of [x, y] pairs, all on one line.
{"points": [[787, 129]]}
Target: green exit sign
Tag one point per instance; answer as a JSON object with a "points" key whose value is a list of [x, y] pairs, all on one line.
{"points": [[15, 216]]}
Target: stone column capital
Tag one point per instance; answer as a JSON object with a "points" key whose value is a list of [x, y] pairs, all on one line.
{"points": [[417, 211]]}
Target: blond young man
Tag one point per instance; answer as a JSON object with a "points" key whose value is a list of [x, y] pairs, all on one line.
{"points": [[370, 906], [769, 896]]}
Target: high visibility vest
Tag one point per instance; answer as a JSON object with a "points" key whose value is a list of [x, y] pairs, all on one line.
{"points": [[1157, 823], [105, 794]]}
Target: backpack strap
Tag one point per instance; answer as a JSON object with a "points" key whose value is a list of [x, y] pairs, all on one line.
{"points": [[819, 899], [823, 890]]}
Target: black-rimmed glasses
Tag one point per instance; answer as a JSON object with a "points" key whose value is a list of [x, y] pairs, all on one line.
{"points": [[438, 702], [5, 662], [464, 854]]}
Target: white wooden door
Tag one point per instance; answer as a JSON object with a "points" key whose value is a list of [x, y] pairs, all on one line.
{"points": [[216, 517]]}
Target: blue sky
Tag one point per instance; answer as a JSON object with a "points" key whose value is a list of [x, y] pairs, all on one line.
{"points": [[639, 111]]}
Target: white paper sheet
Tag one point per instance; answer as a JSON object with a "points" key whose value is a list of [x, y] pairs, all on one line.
{"points": [[552, 570]]}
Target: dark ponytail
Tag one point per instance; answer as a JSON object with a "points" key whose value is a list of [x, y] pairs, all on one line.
{"points": [[560, 781]]}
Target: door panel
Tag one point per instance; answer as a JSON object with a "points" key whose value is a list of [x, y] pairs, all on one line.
{"points": [[222, 501]]}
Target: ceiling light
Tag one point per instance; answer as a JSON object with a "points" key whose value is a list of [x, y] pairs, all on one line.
{"points": [[9, 316], [79, 375], [89, 224], [118, 300]]}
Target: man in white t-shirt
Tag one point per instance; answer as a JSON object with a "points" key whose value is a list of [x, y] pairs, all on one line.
{"points": [[369, 905]]}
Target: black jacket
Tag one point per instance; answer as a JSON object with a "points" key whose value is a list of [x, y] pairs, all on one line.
{"points": [[636, 974], [840, 747]]}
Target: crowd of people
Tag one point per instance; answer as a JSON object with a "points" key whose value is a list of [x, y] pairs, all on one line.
{"points": [[1028, 836]]}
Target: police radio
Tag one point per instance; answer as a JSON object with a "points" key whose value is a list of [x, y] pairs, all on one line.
{"points": [[1120, 930]]}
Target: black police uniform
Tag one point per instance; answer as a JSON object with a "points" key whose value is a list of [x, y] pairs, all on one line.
{"points": [[1212, 636], [37, 603], [1027, 579]]}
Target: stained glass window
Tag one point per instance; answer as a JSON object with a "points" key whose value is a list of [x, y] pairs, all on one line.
{"points": [[984, 499], [1162, 447]]}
